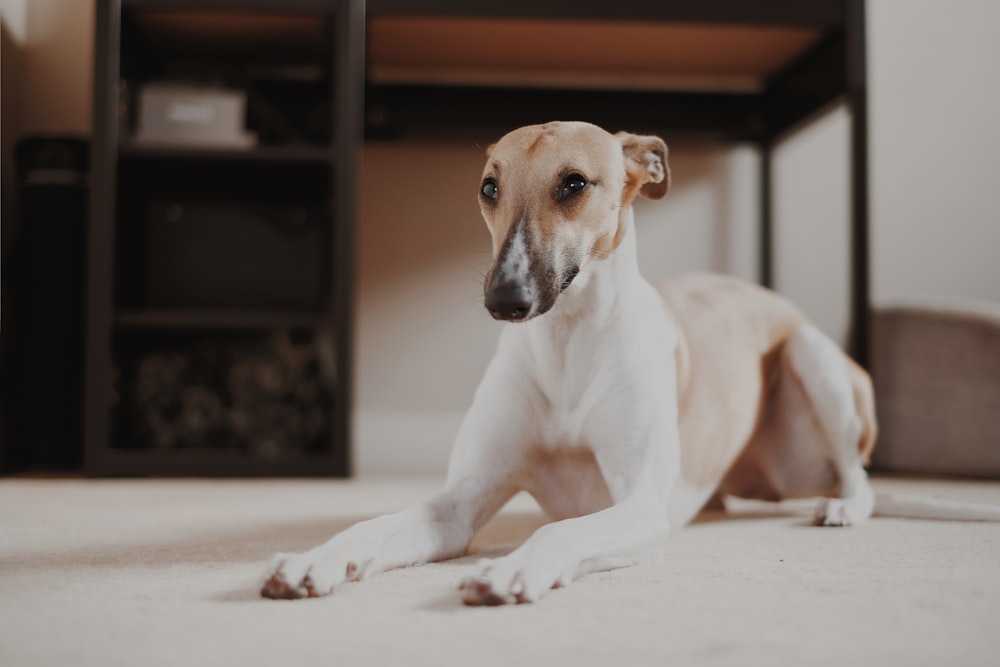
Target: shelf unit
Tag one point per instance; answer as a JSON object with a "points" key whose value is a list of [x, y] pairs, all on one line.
{"points": [[220, 281], [747, 71]]}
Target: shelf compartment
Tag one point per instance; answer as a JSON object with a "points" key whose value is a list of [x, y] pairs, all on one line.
{"points": [[230, 235], [234, 35], [278, 59], [262, 396]]}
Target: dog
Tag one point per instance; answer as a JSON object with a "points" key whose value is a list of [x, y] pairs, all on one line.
{"points": [[621, 408]]}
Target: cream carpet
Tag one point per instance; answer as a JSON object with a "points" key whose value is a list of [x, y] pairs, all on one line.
{"points": [[157, 572]]}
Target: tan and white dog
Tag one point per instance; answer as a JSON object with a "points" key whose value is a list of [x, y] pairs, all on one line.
{"points": [[621, 408]]}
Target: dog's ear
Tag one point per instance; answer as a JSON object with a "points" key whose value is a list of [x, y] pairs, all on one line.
{"points": [[646, 163]]}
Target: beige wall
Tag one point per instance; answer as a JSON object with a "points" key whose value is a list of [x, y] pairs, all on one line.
{"points": [[52, 42], [423, 337]]}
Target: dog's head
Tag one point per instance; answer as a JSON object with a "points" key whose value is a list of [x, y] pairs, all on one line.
{"points": [[555, 197]]}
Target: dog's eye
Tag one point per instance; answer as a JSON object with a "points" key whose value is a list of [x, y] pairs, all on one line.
{"points": [[489, 189], [571, 185]]}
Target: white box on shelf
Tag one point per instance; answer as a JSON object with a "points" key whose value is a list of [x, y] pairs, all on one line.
{"points": [[179, 114]]}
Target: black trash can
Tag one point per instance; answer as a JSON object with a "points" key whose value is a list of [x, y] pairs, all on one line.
{"points": [[44, 275]]}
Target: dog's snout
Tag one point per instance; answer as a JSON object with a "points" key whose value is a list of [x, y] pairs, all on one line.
{"points": [[509, 301]]}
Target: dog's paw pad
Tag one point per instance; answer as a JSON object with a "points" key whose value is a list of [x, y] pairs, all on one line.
{"points": [[484, 591], [479, 592], [296, 576], [277, 588]]}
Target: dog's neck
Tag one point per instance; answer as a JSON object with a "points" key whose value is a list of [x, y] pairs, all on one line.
{"points": [[603, 291]]}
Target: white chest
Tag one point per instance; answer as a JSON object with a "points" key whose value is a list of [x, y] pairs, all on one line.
{"points": [[573, 380]]}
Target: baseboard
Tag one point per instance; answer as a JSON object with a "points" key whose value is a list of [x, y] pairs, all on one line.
{"points": [[410, 443]]}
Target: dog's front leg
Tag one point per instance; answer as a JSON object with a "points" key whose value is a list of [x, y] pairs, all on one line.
{"points": [[481, 478], [640, 477], [439, 528], [559, 552]]}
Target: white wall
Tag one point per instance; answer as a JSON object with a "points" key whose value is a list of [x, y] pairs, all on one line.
{"points": [[935, 126], [423, 337], [811, 213]]}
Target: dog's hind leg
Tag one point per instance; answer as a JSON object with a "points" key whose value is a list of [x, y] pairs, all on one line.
{"points": [[816, 429], [842, 407]]}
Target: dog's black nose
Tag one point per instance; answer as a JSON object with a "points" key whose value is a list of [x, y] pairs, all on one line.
{"points": [[510, 301]]}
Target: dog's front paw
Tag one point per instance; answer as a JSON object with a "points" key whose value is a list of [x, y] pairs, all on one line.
{"points": [[505, 581], [312, 574]]}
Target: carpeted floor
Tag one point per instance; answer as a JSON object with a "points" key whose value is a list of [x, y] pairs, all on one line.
{"points": [[158, 572]]}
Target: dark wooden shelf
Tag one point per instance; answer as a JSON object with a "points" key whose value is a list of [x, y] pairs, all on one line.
{"points": [[262, 154], [301, 64], [813, 13], [243, 6], [218, 319], [221, 463]]}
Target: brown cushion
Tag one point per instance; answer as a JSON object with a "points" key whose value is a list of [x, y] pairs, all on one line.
{"points": [[936, 369]]}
